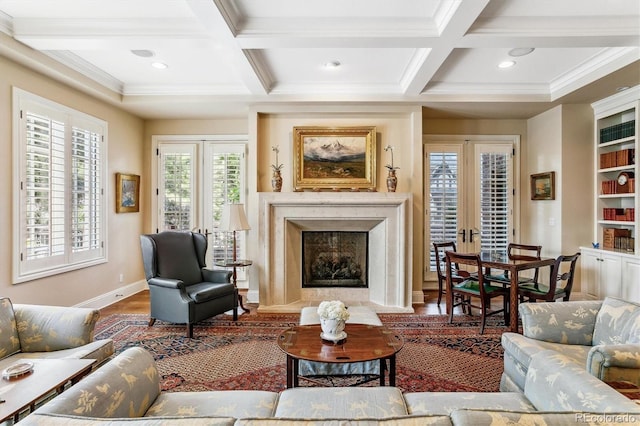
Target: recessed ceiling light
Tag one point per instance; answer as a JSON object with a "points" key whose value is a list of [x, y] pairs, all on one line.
{"points": [[143, 53], [521, 51], [160, 65], [332, 64], [506, 64]]}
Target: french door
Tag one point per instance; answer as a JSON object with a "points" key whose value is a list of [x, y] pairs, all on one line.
{"points": [[470, 195], [193, 180]]}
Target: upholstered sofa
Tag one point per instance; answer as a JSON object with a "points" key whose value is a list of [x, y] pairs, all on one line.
{"points": [[601, 336], [39, 331], [126, 390]]}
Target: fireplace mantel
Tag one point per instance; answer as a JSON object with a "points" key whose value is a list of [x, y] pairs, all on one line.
{"points": [[387, 218]]}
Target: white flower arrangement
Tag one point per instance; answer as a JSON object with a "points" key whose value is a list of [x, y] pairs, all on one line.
{"points": [[334, 309]]}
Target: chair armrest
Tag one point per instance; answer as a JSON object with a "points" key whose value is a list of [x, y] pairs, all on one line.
{"points": [[51, 328], [601, 357], [571, 323], [166, 282], [216, 275]]}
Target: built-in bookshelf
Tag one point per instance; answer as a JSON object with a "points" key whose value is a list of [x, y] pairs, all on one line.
{"points": [[612, 266]]}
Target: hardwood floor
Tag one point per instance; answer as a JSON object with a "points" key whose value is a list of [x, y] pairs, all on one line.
{"points": [[139, 304]]}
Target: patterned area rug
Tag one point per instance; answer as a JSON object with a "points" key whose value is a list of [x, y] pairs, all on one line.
{"points": [[244, 355]]}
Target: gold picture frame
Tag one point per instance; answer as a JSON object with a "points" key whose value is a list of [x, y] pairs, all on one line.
{"points": [[335, 158], [127, 193], [543, 186]]}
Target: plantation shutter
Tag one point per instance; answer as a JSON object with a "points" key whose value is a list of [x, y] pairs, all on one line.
{"points": [[176, 181], [226, 169], [443, 197], [59, 216], [495, 189]]}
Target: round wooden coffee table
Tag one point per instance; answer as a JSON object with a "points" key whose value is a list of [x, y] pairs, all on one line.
{"points": [[363, 343]]}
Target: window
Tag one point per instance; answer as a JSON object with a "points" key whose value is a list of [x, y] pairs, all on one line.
{"points": [[59, 208], [195, 179]]}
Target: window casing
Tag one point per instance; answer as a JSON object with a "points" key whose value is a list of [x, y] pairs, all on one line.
{"points": [[59, 202]]}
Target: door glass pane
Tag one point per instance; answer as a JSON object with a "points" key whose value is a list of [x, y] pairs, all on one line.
{"points": [[443, 199], [176, 188], [495, 201]]}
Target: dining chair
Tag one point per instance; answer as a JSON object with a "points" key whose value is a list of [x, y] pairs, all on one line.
{"points": [[517, 251], [475, 286], [555, 289], [459, 275]]}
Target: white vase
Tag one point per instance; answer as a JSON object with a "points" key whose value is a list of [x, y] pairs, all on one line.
{"points": [[332, 329]]}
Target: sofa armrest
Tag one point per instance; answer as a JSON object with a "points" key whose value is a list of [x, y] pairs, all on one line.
{"points": [[124, 387], [601, 357], [556, 383], [52, 328], [571, 323]]}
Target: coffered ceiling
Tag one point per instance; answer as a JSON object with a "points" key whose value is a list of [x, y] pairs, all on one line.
{"points": [[223, 55]]}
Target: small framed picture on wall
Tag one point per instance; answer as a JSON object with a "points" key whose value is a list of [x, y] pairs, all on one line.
{"points": [[543, 186], [127, 193]]}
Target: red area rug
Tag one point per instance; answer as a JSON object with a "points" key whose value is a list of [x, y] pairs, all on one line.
{"points": [[244, 355]]}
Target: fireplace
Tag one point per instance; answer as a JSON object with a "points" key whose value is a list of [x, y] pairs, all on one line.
{"points": [[334, 259], [384, 217]]}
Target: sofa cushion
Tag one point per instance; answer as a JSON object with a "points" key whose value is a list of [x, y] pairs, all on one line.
{"points": [[38, 419], [443, 403], [124, 387], [556, 383], [497, 418], [617, 322], [9, 340], [230, 403], [570, 323], [396, 421], [341, 402], [53, 328]]}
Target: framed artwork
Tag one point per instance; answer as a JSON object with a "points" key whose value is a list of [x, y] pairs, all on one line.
{"points": [[335, 158], [543, 186], [127, 193]]}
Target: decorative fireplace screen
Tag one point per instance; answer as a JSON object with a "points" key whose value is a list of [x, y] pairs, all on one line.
{"points": [[334, 259]]}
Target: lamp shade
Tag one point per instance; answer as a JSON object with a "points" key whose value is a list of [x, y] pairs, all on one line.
{"points": [[233, 218]]}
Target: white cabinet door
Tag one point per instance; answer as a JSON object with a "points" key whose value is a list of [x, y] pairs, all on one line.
{"points": [[590, 273], [610, 275], [631, 278]]}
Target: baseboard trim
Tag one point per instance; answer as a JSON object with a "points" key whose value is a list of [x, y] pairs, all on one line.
{"points": [[114, 296], [418, 298]]}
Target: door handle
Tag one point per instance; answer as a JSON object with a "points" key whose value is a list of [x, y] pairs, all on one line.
{"points": [[463, 232], [471, 234]]}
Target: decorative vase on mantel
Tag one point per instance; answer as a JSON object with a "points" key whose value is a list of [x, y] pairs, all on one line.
{"points": [[276, 181], [392, 181]]}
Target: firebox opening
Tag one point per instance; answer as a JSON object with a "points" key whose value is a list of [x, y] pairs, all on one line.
{"points": [[335, 259]]}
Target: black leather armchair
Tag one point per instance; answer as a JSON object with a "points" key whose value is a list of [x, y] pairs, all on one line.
{"points": [[181, 289]]}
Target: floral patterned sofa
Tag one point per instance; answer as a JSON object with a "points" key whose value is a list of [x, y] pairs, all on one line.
{"points": [[601, 336], [38, 331], [126, 391]]}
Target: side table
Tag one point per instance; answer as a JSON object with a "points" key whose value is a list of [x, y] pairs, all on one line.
{"points": [[240, 263]]}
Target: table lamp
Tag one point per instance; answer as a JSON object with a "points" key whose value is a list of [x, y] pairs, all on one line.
{"points": [[233, 220]]}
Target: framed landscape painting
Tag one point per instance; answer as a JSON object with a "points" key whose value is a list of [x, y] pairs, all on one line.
{"points": [[335, 158], [543, 186], [127, 193]]}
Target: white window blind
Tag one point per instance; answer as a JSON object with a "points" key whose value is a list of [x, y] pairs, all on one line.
{"points": [[226, 163], [177, 180], [495, 201], [443, 198], [59, 162]]}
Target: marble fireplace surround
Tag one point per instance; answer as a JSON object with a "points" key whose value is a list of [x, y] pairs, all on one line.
{"points": [[283, 217]]}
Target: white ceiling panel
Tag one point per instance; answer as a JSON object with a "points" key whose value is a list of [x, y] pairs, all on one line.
{"points": [[224, 55]]}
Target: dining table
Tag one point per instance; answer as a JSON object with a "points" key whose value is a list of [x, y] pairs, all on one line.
{"points": [[500, 260]]}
